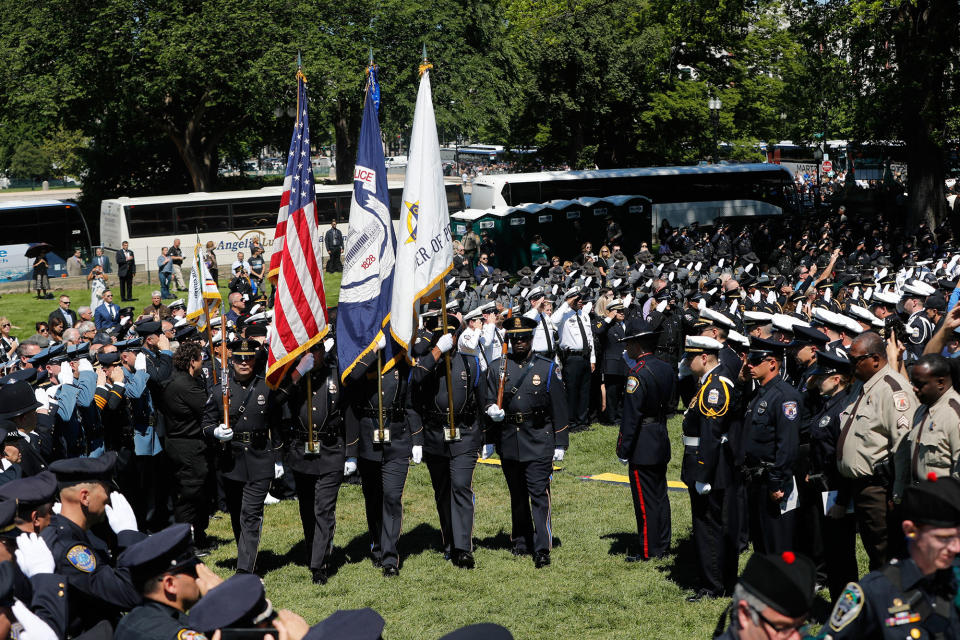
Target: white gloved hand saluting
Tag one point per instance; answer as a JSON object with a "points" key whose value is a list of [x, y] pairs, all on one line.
{"points": [[350, 466], [120, 514], [33, 555], [558, 454], [445, 343], [496, 413], [66, 375], [487, 451], [417, 454], [34, 628], [305, 364], [140, 362], [703, 488], [277, 470], [223, 433], [84, 365]]}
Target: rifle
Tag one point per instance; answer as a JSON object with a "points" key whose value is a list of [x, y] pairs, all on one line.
{"points": [[503, 365]]}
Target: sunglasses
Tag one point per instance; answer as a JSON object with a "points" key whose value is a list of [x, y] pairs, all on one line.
{"points": [[5, 325], [754, 360], [239, 358], [858, 359]]}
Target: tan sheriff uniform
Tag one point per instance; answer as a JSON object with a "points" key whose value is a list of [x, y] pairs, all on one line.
{"points": [[933, 443], [872, 428]]}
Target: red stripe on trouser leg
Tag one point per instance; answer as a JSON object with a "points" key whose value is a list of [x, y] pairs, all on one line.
{"points": [[643, 512]]}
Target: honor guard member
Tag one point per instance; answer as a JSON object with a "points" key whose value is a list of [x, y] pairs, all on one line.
{"points": [[913, 597], [451, 454], [772, 598], [713, 324], [878, 418], [248, 459], [165, 569], [34, 498], [18, 413], [321, 451], [544, 340], [96, 589], [771, 437], [832, 378], [531, 432], [609, 332], [707, 469], [643, 443], [919, 327], [933, 444], [577, 356], [388, 441]]}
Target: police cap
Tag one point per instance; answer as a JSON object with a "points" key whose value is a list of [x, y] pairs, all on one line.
{"points": [[17, 399], [243, 347], [108, 359], [240, 601], [768, 347], [170, 550], [481, 631], [71, 471], [830, 361], [808, 336], [148, 328], [786, 581], [186, 332], [935, 502], [637, 328], [434, 324], [702, 344], [133, 344], [353, 624], [32, 490], [519, 326], [24, 375]]}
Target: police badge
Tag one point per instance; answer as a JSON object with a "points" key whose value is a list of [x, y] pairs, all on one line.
{"points": [[790, 410]]}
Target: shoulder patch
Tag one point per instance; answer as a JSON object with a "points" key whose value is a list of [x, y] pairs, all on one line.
{"points": [[714, 396], [790, 410], [82, 558], [848, 607], [901, 401], [632, 384], [190, 634], [955, 406]]}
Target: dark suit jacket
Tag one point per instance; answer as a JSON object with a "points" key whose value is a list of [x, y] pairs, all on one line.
{"points": [[125, 267], [56, 313]]}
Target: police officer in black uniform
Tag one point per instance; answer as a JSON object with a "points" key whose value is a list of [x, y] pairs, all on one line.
{"points": [[643, 443], [165, 569], [384, 455], [707, 469], [96, 589], [771, 436], [249, 449], [451, 457], [321, 450], [608, 332], [530, 431], [913, 597]]}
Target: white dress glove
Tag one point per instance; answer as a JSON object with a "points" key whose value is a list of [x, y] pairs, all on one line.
{"points": [[56, 507], [42, 398], [34, 628], [495, 413], [445, 343], [66, 375], [305, 364], [381, 344], [120, 514], [350, 466], [84, 365], [223, 433], [558, 454], [417, 454], [328, 345], [487, 451], [277, 470], [140, 362], [703, 488], [33, 555]]}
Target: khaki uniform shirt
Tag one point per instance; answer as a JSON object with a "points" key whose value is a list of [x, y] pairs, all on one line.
{"points": [[875, 422], [933, 443]]}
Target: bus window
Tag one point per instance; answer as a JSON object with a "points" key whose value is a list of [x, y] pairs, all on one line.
{"points": [[455, 198], [521, 192], [327, 209], [396, 203], [258, 214], [344, 205], [149, 220], [204, 218]]}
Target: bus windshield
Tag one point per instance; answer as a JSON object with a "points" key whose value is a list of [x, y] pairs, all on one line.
{"points": [[56, 222]]}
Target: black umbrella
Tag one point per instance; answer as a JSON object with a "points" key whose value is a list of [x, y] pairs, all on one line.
{"points": [[36, 249]]}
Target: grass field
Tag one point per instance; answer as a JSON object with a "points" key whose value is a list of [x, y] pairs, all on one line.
{"points": [[588, 592]]}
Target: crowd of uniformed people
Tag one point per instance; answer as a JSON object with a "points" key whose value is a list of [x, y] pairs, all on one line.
{"points": [[814, 380]]}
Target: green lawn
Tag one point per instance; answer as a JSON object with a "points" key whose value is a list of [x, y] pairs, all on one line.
{"points": [[24, 310]]}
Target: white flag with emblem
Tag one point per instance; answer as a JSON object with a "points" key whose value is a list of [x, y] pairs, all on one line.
{"points": [[424, 244]]}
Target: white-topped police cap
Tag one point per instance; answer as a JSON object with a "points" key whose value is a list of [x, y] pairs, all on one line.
{"points": [[849, 324], [177, 304], [536, 292], [739, 338], [885, 297], [716, 317], [918, 288], [476, 312], [864, 315], [615, 305], [786, 323], [757, 317], [702, 344], [572, 292], [827, 317]]}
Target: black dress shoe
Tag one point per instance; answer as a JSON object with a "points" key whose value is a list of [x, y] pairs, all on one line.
{"points": [[519, 550], [701, 594], [390, 571], [376, 562], [635, 558], [541, 559], [463, 559], [320, 576]]}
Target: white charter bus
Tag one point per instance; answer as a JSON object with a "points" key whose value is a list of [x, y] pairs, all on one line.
{"points": [[231, 219]]}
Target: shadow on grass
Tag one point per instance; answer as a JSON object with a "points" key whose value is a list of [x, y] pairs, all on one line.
{"points": [[684, 571]]}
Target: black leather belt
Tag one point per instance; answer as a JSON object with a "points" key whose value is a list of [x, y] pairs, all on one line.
{"points": [[250, 437], [583, 353], [389, 413], [520, 418], [469, 410]]}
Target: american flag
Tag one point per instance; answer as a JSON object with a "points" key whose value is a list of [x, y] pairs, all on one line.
{"points": [[300, 307]]}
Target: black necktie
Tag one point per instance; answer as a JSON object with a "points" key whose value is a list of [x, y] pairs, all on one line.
{"points": [[583, 333]]}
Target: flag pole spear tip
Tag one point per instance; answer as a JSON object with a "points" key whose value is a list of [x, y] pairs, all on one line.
{"points": [[424, 51], [371, 56], [299, 61]]}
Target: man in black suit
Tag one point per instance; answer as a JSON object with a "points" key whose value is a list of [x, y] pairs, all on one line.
{"points": [[125, 271], [64, 312]]}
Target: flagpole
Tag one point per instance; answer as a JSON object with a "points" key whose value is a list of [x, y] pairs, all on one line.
{"points": [[452, 434], [380, 432], [206, 315], [310, 447]]}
